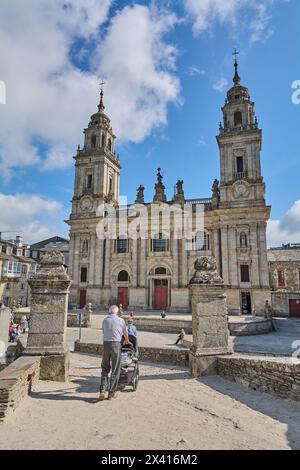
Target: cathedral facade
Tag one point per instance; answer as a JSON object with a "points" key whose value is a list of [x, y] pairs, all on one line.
{"points": [[146, 260]]}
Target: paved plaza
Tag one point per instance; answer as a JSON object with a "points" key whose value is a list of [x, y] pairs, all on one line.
{"points": [[170, 410], [279, 342]]}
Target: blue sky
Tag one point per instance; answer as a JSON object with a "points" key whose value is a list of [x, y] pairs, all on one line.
{"points": [[165, 112]]}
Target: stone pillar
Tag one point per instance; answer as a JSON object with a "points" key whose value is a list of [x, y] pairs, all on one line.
{"points": [[88, 316], [49, 306], [5, 316], [209, 317]]}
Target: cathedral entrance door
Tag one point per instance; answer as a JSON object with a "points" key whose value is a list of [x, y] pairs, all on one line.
{"points": [[160, 294], [295, 308], [123, 296], [82, 299]]}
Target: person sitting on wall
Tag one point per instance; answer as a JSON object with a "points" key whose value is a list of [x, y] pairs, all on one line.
{"points": [[180, 337]]}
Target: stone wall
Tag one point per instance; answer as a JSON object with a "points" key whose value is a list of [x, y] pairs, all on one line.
{"points": [[247, 328], [16, 382], [159, 325], [160, 356], [278, 376]]}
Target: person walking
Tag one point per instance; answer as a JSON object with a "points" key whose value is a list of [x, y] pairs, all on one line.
{"points": [[114, 327]]}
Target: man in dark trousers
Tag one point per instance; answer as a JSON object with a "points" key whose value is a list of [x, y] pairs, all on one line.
{"points": [[114, 328]]}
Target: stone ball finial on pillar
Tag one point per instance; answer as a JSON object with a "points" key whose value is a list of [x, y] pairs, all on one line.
{"points": [[209, 317], [49, 305]]}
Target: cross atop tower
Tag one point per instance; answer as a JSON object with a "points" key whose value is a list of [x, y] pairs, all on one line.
{"points": [[236, 78], [102, 83], [101, 106], [235, 53]]}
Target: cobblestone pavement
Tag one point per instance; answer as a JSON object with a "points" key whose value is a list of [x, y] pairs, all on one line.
{"points": [[170, 410]]}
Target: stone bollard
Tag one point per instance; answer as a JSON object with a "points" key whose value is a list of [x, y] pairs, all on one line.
{"points": [[47, 333], [5, 316], [88, 316], [209, 318]]}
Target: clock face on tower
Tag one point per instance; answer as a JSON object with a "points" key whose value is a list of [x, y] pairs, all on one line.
{"points": [[86, 204], [241, 190]]}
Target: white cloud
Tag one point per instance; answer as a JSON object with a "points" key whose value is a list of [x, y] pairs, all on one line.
{"points": [[193, 70], [221, 85], [139, 66], [286, 229], [49, 99], [259, 26], [253, 13], [201, 140], [34, 217]]}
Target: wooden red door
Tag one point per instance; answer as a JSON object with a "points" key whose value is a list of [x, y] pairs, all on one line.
{"points": [[82, 299], [295, 308], [160, 297], [123, 296]]}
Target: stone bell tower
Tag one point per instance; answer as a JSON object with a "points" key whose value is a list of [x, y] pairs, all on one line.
{"points": [[240, 142], [240, 198], [97, 166]]}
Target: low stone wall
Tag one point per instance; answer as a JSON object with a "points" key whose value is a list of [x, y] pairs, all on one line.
{"points": [[278, 376], [253, 326], [160, 325], [163, 356], [16, 381], [73, 321], [257, 326]]}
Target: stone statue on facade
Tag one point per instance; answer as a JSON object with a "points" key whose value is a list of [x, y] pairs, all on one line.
{"points": [[215, 194], [160, 195], [206, 272], [159, 176], [179, 194], [140, 197], [216, 188]]}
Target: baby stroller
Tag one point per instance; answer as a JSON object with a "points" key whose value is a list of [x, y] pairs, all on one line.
{"points": [[129, 375]]}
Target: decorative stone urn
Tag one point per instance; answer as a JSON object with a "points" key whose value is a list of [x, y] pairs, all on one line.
{"points": [[49, 303], [209, 317]]}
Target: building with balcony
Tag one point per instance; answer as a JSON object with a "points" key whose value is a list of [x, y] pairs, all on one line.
{"points": [[15, 268]]}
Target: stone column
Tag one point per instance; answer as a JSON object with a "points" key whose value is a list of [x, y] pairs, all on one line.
{"points": [[88, 316], [49, 306], [209, 317], [5, 316]]}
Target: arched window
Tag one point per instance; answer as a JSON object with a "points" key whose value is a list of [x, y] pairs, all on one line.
{"points": [[160, 271], [85, 247], [238, 119], [160, 243], [243, 240], [121, 245], [201, 241], [94, 141], [123, 276]]}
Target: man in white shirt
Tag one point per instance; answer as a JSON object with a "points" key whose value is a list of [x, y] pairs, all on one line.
{"points": [[114, 328]]}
